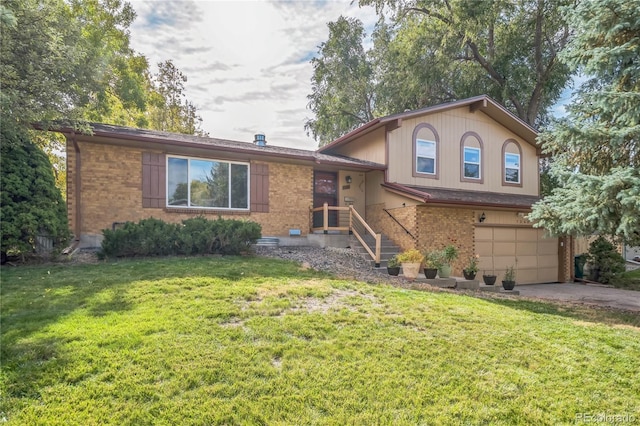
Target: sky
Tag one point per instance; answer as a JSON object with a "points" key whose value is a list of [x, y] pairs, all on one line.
{"points": [[247, 61]]}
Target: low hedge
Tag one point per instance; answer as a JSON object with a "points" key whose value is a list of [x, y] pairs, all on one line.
{"points": [[154, 237]]}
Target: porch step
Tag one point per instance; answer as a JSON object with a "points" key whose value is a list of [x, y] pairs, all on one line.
{"points": [[268, 242], [387, 249]]}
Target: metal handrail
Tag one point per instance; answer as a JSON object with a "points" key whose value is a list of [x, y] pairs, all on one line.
{"points": [[398, 222], [355, 220]]}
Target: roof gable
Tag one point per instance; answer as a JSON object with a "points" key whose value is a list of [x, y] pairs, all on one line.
{"points": [[481, 103]]}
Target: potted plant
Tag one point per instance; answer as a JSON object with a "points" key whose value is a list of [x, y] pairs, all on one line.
{"points": [[432, 261], [509, 281], [411, 261], [393, 266], [489, 279], [449, 254], [471, 269]]}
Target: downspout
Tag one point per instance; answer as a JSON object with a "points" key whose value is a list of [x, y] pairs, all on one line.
{"points": [[78, 223]]}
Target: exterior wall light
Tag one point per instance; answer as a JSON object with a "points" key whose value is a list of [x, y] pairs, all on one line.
{"points": [[348, 179]]}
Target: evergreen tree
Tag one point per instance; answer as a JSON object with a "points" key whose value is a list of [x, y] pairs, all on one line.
{"points": [[31, 205], [596, 148]]}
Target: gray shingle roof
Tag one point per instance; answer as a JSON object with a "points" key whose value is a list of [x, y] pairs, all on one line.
{"points": [[154, 136], [457, 196]]}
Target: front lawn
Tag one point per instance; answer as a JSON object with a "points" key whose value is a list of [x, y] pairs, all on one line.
{"points": [[259, 341]]}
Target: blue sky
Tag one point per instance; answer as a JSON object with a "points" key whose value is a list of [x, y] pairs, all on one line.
{"points": [[247, 62]]}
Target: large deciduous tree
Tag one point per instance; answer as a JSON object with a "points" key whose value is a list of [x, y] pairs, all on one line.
{"points": [[169, 109], [59, 57], [342, 82], [433, 51], [596, 146]]}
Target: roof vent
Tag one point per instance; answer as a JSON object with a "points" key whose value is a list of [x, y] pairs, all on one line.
{"points": [[260, 139]]}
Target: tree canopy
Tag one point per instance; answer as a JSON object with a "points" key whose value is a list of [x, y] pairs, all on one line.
{"points": [[596, 146], [427, 52], [69, 61]]}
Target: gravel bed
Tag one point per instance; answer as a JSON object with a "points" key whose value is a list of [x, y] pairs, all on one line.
{"points": [[342, 262]]}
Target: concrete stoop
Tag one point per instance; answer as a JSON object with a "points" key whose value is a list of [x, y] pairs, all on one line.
{"points": [[458, 283]]}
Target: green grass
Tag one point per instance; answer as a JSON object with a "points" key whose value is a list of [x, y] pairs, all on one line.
{"points": [[629, 280], [259, 341]]}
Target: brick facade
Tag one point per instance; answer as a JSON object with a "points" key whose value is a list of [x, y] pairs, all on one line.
{"points": [[111, 191], [441, 226], [381, 222], [433, 228]]}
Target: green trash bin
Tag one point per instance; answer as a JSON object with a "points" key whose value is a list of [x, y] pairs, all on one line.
{"points": [[578, 264]]}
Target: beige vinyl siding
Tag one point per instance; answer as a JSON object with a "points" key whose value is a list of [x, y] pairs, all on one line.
{"points": [[370, 147], [451, 125], [353, 193]]}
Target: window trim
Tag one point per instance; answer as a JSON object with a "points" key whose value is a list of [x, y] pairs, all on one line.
{"points": [[190, 207], [463, 139], [436, 164], [504, 163]]}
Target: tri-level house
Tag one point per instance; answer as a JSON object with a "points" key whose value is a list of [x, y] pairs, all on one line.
{"points": [[464, 172]]}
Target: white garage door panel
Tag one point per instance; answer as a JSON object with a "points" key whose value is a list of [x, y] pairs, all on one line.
{"points": [[537, 256]]}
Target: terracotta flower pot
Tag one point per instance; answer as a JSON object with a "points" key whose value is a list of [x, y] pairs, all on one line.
{"points": [[411, 270]]}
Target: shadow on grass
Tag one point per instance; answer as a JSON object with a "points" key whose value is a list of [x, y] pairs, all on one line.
{"points": [[34, 298], [587, 313]]}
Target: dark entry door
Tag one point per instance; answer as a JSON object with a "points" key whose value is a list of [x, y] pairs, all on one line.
{"points": [[325, 190]]}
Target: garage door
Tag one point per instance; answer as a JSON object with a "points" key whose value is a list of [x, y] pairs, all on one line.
{"points": [[534, 256]]}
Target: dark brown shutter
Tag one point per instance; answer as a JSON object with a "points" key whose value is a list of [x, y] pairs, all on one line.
{"points": [[153, 180], [260, 188]]}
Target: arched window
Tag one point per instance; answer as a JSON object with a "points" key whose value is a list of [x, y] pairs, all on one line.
{"points": [[511, 163], [471, 158], [426, 147]]}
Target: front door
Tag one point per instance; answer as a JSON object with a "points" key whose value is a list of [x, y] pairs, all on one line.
{"points": [[325, 190]]}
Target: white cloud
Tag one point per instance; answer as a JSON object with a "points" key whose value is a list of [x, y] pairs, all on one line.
{"points": [[247, 62]]}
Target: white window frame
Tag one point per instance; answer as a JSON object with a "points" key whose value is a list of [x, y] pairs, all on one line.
{"points": [[434, 158], [519, 168], [465, 162], [189, 206]]}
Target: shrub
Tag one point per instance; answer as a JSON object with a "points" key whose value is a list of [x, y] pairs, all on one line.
{"points": [[605, 260], [31, 203], [410, 256], [153, 237]]}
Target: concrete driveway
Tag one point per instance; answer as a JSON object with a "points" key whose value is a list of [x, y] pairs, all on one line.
{"points": [[587, 294]]}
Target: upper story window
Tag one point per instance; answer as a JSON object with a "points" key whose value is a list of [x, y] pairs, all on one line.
{"points": [[512, 163], [425, 151], [471, 164], [512, 168], [426, 156], [214, 184]]}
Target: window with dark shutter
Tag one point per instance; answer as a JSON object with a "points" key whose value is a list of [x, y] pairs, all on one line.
{"points": [[260, 188], [153, 180]]}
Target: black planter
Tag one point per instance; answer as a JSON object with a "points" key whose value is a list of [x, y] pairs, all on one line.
{"points": [[430, 273], [469, 275], [489, 279], [508, 285], [393, 271]]}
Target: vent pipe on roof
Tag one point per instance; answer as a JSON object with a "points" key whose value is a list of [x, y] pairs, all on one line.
{"points": [[260, 139]]}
